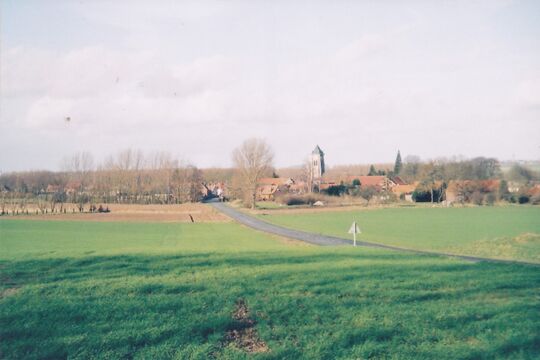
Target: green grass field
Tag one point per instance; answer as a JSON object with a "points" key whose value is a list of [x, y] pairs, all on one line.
{"points": [[86, 290], [511, 232]]}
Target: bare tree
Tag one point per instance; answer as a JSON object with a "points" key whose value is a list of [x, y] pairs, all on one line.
{"points": [[79, 170], [432, 177], [252, 160], [307, 174], [41, 203], [162, 165], [3, 200], [186, 184]]}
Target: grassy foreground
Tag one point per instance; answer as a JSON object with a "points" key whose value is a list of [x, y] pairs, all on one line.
{"points": [[511, 232], [124, 290]]}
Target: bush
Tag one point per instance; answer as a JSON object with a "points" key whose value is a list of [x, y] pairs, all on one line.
{"points": [[336, 190], [523, 198], [490, 198], [477, 198], [389, 197], [367, 193], [307, 199], [424, 195]]}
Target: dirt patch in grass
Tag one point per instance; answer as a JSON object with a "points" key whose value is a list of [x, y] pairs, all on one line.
{"points": [[8, 292], [136, 213], [245, 336]]}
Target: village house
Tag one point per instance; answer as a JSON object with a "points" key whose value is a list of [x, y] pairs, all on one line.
{"points": [[213, 189], [51, 189], [276, 181], [379, 183], [269, 188], [267, 192], [534, 190], [405, 191]]}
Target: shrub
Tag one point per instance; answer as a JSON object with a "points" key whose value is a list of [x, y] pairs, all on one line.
{"points": [[523, 198], [367, 193], [477, 198], [422, 194], [389, 197], [490, 198], [336, 190], [307, 199], [504, 194]]}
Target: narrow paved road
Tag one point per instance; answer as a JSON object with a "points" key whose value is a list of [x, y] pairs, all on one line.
{"points": [[258, 224], [325, 240]]}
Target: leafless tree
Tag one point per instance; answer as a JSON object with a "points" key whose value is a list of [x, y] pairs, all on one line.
{"points": [[79, 171], [186, 184], [253, 159], [162, 166], [432, 177], [4, 194], [307, 174], [41, 203]]}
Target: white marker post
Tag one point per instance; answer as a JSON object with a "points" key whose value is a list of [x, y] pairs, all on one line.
{"points": [[355, 229]]}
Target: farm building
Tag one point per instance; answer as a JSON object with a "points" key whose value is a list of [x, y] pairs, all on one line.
{"points": [[406, 190], [269, 188], [267, 192], [380, 183]]}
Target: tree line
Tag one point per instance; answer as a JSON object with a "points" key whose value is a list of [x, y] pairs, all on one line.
{"points": [[134, 177], [129, 176]]}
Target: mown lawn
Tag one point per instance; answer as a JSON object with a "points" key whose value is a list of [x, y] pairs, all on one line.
{"points": [[113, 290], [511, 232]]}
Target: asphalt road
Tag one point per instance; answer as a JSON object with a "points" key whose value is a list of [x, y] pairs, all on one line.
{"points": [[258, 224], [325, 240]]}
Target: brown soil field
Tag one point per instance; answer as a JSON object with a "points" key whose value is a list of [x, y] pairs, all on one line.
{"points": [[136, 213]]}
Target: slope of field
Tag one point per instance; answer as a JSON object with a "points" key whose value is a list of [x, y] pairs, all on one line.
{"points": [[123, 290], [499, 232]]}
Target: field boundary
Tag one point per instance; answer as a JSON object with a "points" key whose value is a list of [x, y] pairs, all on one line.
{"points": [[327, 240]]}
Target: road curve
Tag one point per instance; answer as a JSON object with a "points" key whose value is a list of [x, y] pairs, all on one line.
{"points": [[325, 240]]}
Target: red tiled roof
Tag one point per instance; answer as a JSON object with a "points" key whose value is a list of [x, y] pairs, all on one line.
{"points": [[267, 189], [275, 181], [403, 189], [398, 180]]}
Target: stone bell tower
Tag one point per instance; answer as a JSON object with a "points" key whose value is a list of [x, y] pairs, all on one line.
{"points": [[317, 165]]}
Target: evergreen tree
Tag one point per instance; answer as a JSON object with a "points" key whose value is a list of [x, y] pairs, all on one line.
{"points": [[372, 171], [398, 164]]}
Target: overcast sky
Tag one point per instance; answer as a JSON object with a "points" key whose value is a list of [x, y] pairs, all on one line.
{"points": [[360, 78]]}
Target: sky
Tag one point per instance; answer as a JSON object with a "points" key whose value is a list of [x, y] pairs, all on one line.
{"points": [[361, 79]]}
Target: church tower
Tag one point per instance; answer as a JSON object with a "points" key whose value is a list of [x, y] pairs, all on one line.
{"points": [[317, 163]]}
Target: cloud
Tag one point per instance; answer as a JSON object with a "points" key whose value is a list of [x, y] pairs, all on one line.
{"points": [[196, 79], [527, 93], [109, 87], [366, 45]]}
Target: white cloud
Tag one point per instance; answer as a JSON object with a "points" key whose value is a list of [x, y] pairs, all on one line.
{"points": [[176, 77], [527, 93]]}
